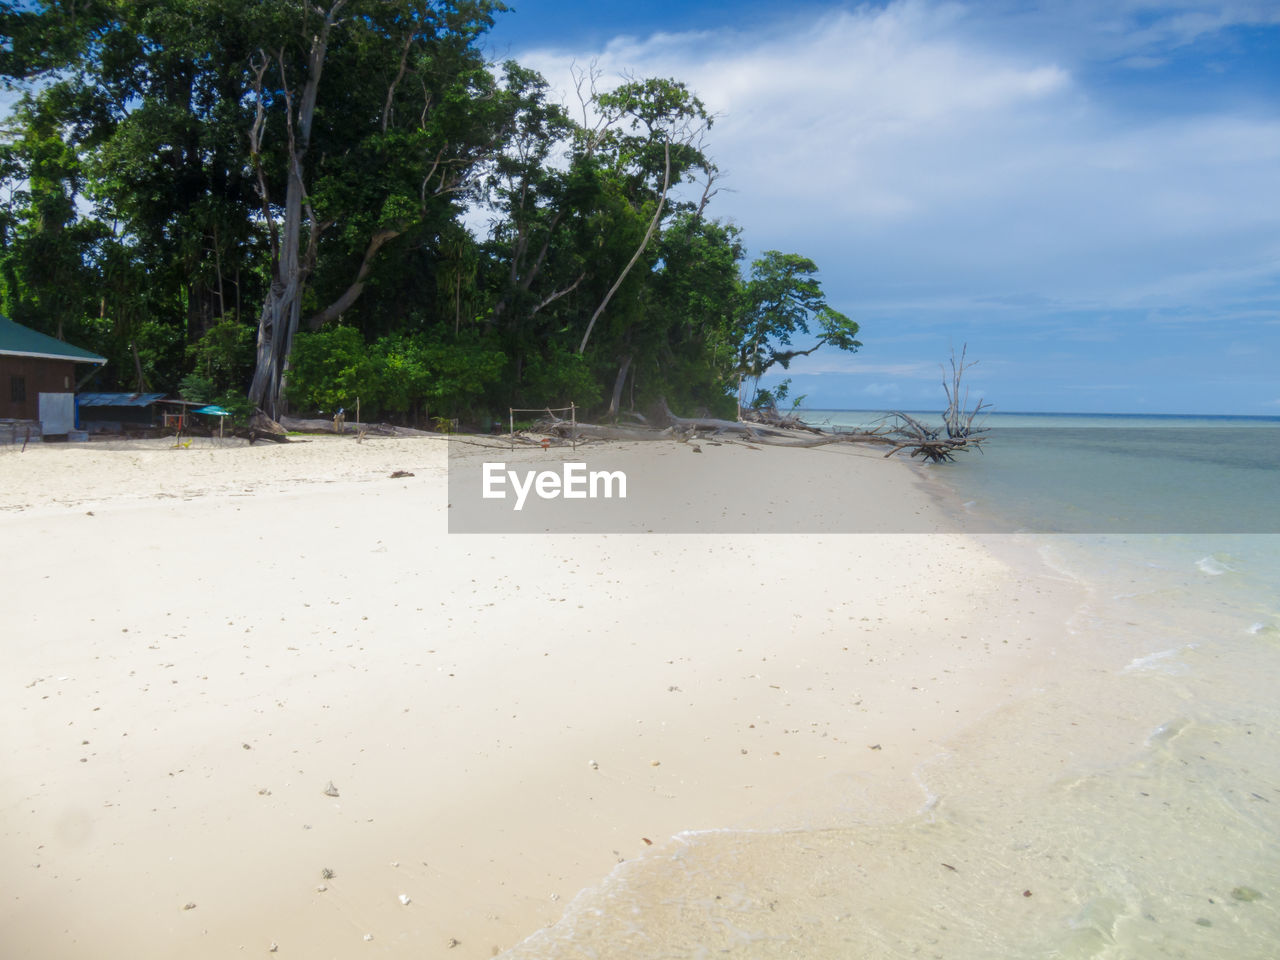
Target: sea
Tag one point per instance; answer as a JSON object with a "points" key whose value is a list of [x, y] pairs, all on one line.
{"points": [[1127, 809]]}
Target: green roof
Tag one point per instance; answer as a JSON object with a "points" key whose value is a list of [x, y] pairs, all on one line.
{"points": [[19, 341]]}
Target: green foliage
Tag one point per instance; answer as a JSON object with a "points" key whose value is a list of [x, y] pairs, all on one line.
{"points": [[558, 377], [329, 369], [237, 405], [774, 396], [783, 299], [398, 375], [136, 220], [224, 354], [416, 372], [197, 387]]}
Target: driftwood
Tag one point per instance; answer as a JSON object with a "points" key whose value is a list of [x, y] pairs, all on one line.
{"points": [[958, 422], [335, 425], [262, 427], [909, 433], [770, 417], [899, 432], [698, 425], [594, 431]]}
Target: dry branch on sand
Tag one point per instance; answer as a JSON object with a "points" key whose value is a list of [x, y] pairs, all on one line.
{"points": [[900, 432]]}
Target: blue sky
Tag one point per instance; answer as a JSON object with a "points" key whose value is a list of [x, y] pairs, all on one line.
{"points": [[1087, 193]]}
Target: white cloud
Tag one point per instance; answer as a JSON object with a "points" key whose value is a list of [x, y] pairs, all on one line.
{"points": [[987, 172], [823, 113], [911, 159], [834, 362]]}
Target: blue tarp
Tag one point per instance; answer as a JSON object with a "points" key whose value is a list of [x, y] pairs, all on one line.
{"points": [[117, 399]]}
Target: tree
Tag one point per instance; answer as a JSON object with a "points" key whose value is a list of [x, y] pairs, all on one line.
{"points": [[531, 196], [44, 278], [684, 349], [180, 178], [399, 135], [146, 99], [784, 298], [666, 120]]}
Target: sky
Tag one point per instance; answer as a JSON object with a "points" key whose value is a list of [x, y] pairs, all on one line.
{"points": [[1087, 194]]}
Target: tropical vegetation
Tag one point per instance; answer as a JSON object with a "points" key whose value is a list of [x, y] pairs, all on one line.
{"points": [[293, 204]]}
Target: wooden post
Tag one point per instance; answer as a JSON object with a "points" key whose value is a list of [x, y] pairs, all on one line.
{"points": [[511, 423], [573, 425]]}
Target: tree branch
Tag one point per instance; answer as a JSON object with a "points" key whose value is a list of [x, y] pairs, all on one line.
{"points": [[391, 90], [648, 235], [559, 293], [259, 68], [785, 357], [352, 293]]}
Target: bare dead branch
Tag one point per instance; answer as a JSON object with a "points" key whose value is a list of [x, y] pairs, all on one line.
{"points": [[559, 293], [259, 63], [653, 226], [391, 90]]}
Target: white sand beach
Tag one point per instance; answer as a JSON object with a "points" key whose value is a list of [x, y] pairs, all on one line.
{"points": [[199, 641]]}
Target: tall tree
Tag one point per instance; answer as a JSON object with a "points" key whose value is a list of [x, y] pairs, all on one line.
{"points": [[148, 99], [41, 276], [390, 94], [784, 298], [664, 125], [228, 170]]}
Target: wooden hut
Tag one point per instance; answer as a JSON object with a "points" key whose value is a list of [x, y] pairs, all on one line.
{"points": [[32, 364]]}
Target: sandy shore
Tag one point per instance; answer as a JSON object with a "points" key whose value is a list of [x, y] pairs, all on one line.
{"points": [[198, 641]]}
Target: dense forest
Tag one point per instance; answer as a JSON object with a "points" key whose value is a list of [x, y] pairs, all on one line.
{"points": [[291, 204]]}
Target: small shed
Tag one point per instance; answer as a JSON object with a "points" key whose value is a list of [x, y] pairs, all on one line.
{"points": [[117, 412], [32, 364]]}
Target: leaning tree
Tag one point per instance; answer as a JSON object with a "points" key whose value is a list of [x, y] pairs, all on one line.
{"points": [[370, 119]]}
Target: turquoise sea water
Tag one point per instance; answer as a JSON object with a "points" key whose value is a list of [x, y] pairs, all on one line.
{"points": [[1078, 473], [1129, 809]]}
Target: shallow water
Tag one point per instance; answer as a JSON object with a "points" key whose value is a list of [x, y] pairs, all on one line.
{"points": [[1055, 473], [1130, 808]]}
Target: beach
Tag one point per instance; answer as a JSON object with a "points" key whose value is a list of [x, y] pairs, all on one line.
{"points": [[259, 699]]}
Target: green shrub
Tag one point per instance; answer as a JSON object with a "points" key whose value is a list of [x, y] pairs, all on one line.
{"points": [[409, 376]]}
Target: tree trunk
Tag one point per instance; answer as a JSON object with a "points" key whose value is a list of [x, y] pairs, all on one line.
{"points": [[276, 328], [616, 402], [137, 363], [282, 310]]}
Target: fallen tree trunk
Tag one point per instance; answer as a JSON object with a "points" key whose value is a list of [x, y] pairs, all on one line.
{"points": [[595, 431], [908, 434], [770, 417], [715, 426], [299, 425]]}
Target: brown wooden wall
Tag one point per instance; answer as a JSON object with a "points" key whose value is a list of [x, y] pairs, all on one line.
{"points": [[39, 375]]}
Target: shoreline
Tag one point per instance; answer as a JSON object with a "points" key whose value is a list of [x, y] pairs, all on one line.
{"points": [[711, 687]]}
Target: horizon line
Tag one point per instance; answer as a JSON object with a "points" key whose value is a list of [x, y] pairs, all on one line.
{"points": [[1049, 413]]}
